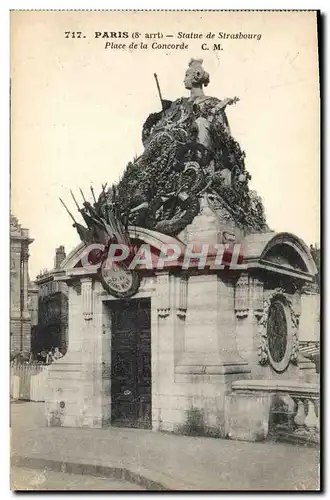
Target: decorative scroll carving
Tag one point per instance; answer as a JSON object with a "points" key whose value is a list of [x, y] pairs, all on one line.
{"points": [[163, 295], [182, 297], [87, 298], [242, 296], [292, 329], [296, 304]]}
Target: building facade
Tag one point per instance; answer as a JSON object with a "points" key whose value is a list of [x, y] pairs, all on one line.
{"points": [[52, 309], [23, 293]]}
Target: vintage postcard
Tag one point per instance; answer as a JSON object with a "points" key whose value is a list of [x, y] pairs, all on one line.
{"points": [[165, 250]]}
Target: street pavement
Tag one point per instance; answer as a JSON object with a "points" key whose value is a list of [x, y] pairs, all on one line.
{"points": [[160, 461], [23, 479]]}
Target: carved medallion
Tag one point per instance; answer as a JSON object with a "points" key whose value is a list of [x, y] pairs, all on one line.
{"points": [[119, 281], [278, 332]]}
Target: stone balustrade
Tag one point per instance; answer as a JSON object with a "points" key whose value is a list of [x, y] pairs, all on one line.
{"points": [[283, 409], [306, 417]]}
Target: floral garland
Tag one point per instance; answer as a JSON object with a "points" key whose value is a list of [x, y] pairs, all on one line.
{"points": [[263, 352]]}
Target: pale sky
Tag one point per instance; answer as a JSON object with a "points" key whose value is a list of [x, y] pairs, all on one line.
{"points": [[78, 109]]}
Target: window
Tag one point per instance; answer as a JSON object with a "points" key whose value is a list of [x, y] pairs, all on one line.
{"points": [[279, 335]]}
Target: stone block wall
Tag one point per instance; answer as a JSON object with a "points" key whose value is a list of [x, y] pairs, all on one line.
{"points": [[194, 355]]}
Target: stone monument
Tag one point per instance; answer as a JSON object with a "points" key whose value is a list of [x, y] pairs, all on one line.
{"points": [[161, 348]]}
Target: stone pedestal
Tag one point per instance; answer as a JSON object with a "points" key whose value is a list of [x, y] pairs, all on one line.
{"points": [[208, 331]]}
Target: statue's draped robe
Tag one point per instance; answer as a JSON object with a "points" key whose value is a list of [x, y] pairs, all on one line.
{"points": [[188, 113]]}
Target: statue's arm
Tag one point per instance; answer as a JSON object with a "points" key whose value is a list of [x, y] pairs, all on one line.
{"points": [[219, 115]]}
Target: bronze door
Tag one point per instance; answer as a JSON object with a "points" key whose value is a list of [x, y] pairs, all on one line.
{"points": [[131, 364]]}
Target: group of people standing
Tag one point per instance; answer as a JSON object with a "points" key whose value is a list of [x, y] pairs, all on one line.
{"points": [[48, 356], [45, 356]]}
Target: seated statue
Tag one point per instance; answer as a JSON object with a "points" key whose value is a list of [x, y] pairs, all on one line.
{"points": [[197, 111], [188, 151]]}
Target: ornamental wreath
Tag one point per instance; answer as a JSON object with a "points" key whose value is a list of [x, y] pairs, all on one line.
{"points": [[263, 352]]}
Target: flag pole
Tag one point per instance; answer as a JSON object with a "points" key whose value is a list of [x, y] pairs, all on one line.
{"points": [[159, 92]]}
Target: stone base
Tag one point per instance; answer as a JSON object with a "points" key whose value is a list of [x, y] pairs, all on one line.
{"points": [[307, 370], [70, 399], [247, 416], [212, 364]]}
